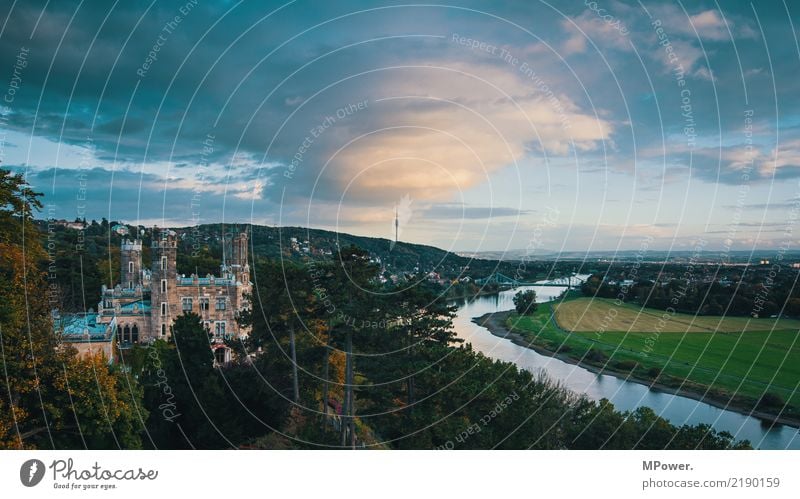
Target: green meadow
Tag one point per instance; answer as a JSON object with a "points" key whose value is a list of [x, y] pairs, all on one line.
{"points": [[752, 365]]}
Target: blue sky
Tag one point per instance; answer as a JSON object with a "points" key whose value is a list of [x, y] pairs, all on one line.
{"points": [[627, 120]]}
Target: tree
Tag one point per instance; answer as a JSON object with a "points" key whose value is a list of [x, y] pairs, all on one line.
{"points": [[189, 405], [525, 302], [359, 306], [104, 409], [49, 397]]}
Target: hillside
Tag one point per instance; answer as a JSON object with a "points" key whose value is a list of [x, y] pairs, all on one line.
{"points": [[82, 259], [301, 244]]}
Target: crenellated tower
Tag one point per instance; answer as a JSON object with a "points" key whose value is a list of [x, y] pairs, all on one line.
{"points": [[164, 274], [238, 263], [131, 264]]}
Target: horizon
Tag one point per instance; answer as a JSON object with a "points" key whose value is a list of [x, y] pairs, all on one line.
{"points": [[546, 251]]}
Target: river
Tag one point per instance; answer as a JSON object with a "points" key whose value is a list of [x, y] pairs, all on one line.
{"points": [[625, 395]]}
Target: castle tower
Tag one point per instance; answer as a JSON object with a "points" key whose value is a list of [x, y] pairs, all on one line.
{"points": [[163, 283], [238, 261], [131, 264]]}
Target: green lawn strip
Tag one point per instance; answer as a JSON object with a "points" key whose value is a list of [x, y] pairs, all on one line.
{"points": [[701, 358]]}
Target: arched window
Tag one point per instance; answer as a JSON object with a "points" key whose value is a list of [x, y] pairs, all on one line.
{"points": [[130, 267], [135, 334], [126, 335], [219, 355]]}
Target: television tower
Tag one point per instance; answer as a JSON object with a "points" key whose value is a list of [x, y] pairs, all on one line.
{"points": [[396, 224]]}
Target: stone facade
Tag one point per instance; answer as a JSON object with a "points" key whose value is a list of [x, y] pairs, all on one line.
{"points": [[147, 301]]}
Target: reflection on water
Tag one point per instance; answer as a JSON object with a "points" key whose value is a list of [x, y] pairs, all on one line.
{"points": [[625, 395]]}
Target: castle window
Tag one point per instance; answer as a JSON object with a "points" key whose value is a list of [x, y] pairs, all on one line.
{"points": [[163, 263], [221, 303], [187, 304], [219, 355], [204, 304], [163, 308], [130, 267], [219, 329], [163, 329], [163, 285]]}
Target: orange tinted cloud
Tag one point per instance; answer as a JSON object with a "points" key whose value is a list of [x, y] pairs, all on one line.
{"points": [[444, 129]]}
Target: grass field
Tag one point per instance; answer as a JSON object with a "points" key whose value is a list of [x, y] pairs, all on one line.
{"points": [[588, 314], [740, 358]]}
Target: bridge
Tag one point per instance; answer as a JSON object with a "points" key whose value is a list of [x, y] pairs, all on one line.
{"points": [[505, 281]]}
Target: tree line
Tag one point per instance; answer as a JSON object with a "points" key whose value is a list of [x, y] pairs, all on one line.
{"points": [[756, 293]]}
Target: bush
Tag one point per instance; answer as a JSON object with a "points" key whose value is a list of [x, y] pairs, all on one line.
{"points": [[625, 365], [596, 355], [770, 400]]}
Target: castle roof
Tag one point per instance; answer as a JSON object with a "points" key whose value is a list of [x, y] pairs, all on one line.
{"points": [[136, 307], [77, 328], [206, 281]]}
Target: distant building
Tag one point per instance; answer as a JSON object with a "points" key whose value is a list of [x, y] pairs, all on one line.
{"points": [[77, 225], [122, 230]]}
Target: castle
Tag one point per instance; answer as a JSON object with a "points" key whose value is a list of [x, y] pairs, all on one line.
{"points": [[143, 305]]}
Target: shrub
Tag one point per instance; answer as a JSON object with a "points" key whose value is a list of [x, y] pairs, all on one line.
{"points": [[625, 365], [596, 355], [770, 400], [654, 372]]}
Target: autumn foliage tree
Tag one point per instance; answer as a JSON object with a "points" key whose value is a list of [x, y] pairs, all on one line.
{"points": [[49, 397]]}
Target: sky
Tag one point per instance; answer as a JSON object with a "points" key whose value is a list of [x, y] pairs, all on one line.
{"points": [[484, 126]]}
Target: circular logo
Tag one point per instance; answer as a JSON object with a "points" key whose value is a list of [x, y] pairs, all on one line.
{"points": [[31, 472]]}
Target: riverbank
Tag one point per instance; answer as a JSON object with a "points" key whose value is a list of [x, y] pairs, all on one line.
{"points": [[495, 323]]}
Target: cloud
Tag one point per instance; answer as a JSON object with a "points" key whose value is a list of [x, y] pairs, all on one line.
{"points": [[775, 205], [135, 197], [704, 73], [457, 211], [588, 26], [444, 128], [740, 164], [709, 25]]}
